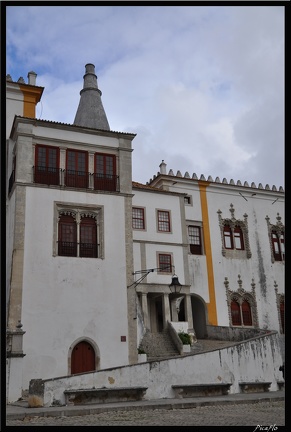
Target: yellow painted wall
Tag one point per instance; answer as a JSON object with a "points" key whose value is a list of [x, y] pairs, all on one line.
{"points": [[211, 306], [31, 96]]}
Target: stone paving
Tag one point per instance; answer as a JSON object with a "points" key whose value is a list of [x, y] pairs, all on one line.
{"points": [[265, 415]]}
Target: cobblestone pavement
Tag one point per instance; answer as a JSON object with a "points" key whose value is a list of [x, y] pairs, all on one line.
{"points": [[269, 414]]}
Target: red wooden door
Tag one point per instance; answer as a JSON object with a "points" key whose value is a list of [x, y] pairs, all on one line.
{"points": [[83, 358]]}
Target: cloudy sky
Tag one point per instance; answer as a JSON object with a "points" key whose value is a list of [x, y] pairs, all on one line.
{"points": [[201, 86]]}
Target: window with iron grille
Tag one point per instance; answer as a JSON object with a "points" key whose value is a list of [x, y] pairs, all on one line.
{"points": [[76, 174], [46, 169], [105, 177], [194, 235], [164, 221], [165, 263], [88, 238], [78, 233], [67, 242], [138, 221]]}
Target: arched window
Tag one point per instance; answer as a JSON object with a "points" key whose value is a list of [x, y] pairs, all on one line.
{"points": [[246, 313], [278, 244], [88, 238], [235, 313], [238, 238], [228, 240], [67, 241], [77, 233], [233, 237]]}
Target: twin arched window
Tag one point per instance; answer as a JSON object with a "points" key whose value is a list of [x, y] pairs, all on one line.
{"points": [[77, 239], [241, 314], [233, 237]]}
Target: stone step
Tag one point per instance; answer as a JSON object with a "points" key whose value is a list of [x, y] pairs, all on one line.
{"points": [[158, 345]]}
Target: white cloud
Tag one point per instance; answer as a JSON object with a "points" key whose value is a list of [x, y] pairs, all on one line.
{"points": [[202, 86]]}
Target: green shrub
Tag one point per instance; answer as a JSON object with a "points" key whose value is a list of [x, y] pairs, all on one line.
{"points": [[185, 338], [141, 351]]}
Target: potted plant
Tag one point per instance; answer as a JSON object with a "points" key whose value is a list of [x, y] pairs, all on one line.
{"points": [[186, 341], [142, 356]]}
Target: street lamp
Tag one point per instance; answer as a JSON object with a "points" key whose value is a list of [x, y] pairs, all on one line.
{"points": [[175, 286]]}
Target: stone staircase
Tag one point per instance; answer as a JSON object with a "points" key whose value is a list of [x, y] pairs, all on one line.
{"points": [[158, 346]]}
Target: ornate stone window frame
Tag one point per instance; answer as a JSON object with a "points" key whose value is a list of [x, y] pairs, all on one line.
{"points": [[233, 222], [280, 298], [279, 227], [240, 295], [78, 212]]}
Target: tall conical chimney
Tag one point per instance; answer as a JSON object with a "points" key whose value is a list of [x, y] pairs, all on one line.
{"points": [[90, 111]]}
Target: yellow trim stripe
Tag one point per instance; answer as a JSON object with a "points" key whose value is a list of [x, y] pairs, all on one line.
{"points": [[212, 313]]}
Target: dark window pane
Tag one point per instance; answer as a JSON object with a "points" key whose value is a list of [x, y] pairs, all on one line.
{"points": [[235, 313], [246, 313], [194, 235]]}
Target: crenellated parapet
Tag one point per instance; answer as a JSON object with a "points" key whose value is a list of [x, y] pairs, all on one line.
{"points": [[210, 179]]}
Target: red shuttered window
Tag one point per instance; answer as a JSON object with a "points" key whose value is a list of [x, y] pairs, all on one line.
{"points": [[77, 169], [46, 169]]}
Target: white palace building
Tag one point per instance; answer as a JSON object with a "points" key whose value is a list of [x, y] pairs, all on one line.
{"points": [[95, 261]]}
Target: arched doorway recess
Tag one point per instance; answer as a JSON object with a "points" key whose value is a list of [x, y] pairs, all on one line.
{"points": [[83, 358], [199, 311]]}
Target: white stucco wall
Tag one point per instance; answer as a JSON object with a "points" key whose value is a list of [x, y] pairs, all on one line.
{"points": [[10, 223], [254, 360], [259, 267], [153, 202], [14, 104], [75, 137], [67, 298], [150, 242]]}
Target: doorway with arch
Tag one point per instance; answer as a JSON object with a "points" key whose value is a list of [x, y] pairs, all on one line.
{"points": [[83, 357]]}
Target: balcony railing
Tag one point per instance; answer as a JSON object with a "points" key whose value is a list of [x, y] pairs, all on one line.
{"points": [[73, 249], [76, 179], [107, 182], [88, 250], [46, 175]]}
